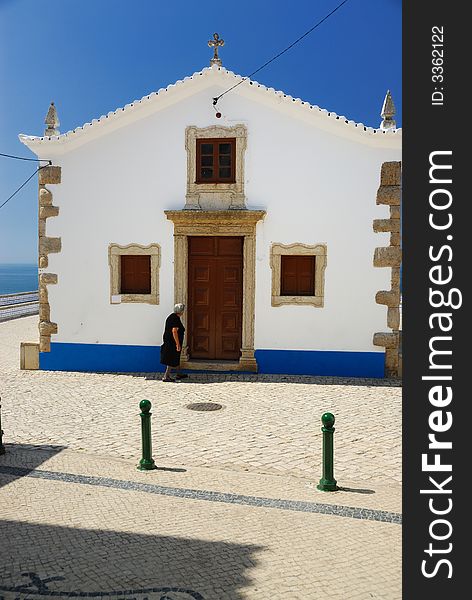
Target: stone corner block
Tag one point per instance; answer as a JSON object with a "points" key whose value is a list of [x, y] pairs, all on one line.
{"points": [[390, 298], [392, 359], [389, 194], [45, 343], [395, 280], [387, 340], [47, 278], [390, 173], [49, 175], [385, 225], [45, 197], [48, 211], [393, 318], [46, 328], [44, 312], [387, 257], [49, 244]]}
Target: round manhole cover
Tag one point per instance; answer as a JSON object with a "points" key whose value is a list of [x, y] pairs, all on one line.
{"points": [[204, 406]]}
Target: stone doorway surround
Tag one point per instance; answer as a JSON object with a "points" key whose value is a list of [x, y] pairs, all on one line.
{"points": [[218, 223]]}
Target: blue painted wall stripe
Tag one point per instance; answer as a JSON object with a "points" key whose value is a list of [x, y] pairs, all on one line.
{"points": [[317, 362], [145, 359], [101, 357]]}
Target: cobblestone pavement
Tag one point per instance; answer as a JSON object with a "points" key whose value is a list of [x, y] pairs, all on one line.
{"points": [[69, 533], [232, 512], [269, 424]]}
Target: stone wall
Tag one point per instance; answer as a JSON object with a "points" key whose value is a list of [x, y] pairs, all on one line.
{"points": [[47, 175], [389, 193], [29, 352]]}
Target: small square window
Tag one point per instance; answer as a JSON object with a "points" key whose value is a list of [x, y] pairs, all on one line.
{"points": [[298, 273], [297, 276], [135, 274], [215, 160]]}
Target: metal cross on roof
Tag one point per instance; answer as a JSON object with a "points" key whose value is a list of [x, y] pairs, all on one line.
{"points": [[215, 43]]}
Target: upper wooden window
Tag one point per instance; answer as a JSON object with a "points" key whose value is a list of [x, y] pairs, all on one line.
{"points": [[135, 274], [297, 276], [216, 160]]}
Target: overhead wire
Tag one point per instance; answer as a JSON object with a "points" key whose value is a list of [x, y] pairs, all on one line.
{"points": [[30, 177], [25, 158], [215, 100], [22, 185]]}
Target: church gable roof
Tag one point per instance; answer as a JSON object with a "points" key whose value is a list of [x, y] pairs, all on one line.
{"points": [[207, 77]]}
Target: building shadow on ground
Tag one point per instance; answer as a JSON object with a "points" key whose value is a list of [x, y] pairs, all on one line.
{"points": [[196, 377], [209, 377], [26, 456], [42, 561]]}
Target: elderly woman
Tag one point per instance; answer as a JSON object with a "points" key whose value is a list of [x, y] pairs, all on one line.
{"points": [[173, 338]]}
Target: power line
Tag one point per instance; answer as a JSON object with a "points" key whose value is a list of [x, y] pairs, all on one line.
{"points": [[22, 185], [24, 158], [215, 100]]}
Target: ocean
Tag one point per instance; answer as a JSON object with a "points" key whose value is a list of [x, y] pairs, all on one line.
{"points": [[18, 278]]}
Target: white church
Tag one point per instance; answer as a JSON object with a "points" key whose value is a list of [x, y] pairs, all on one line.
{"points": [[262, 213]]}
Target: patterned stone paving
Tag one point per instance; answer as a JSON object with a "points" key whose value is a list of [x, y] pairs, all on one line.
{"points": [[269, 424], [84, 540], [210, 496], [231, 513]]}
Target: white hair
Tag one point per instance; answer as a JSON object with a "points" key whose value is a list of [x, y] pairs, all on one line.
{"points": [[178, 308]]}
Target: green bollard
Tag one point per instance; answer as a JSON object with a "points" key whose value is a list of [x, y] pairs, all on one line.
{"points": [[328, 482], [147, 462]]}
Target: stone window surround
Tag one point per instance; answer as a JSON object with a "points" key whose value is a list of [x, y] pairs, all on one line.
{"points": [[231, 194], [115, 251], [218, 223], [298, 249]]}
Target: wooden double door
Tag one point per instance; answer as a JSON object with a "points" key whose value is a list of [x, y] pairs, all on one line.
{"points": [[215, 286]]}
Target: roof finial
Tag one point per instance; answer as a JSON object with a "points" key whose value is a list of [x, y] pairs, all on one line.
{"points": [[215, 43], [52, 121], [388, 112]]}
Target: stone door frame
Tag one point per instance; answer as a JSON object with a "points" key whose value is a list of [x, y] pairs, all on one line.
{"points": [[240, 223]]}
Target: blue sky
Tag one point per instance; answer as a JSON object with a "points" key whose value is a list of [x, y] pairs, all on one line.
{"points": [[92, 56]]}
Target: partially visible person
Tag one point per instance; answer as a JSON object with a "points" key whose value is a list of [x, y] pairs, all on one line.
{"points": [[172, 343]]}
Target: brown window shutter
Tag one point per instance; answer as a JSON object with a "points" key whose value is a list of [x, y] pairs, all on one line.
{"points": [[136, 274], [297, 276]]}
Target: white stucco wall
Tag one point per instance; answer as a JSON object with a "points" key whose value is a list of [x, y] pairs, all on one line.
{"points": [[316, 180]]}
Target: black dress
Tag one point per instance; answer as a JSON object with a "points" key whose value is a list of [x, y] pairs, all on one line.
{"points": [[169, 355]]}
